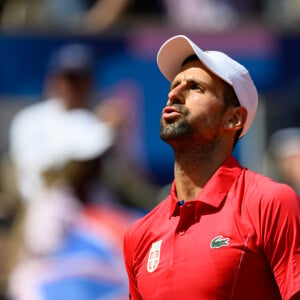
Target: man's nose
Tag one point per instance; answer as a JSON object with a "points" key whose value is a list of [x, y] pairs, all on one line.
{"points": [[176, 95]]}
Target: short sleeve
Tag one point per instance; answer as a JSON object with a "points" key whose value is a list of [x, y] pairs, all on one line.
{"points": [[280, 227], [129, 263]]}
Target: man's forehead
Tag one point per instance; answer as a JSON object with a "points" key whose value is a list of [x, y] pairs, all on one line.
{"points": [[196, 71], [193, 69], [195, 63]]}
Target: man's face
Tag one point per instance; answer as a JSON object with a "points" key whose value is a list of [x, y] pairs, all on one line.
{"points": [[195, 107], [73, 88]]}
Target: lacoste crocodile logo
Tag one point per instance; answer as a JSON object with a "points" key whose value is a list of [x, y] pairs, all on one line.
{"points": [[219, 242]]}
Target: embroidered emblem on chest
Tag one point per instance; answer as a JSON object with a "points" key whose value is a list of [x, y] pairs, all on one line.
{"points": [[219, 242], [154, 255]]}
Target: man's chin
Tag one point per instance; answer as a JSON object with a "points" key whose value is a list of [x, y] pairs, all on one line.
{"points": [[169, 134]]}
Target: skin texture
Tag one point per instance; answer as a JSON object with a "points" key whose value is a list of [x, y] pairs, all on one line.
{"points": [[199, 127]]}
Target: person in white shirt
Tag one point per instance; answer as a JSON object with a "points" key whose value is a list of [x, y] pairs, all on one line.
{"points": [[35, 129]]}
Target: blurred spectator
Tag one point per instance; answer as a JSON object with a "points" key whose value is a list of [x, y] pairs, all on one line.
{"points": [[96, 16], [73, 229], [44, 135], [211, 15], [80, 16], [34, 129], [203, 15], [284, 13], [283, 156]]}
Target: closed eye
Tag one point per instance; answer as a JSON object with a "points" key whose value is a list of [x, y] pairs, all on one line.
{"points": [[195, 86], [189, 84]]}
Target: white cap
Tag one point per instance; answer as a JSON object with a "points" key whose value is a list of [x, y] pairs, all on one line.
{"points": [[175, 50]]}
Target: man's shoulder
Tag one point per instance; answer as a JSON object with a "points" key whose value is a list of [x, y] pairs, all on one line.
{"points": [[263, 183], [265, 190], [35, 110]]}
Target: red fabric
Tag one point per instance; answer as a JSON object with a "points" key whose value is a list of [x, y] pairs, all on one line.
{"points": [[239, 239]]}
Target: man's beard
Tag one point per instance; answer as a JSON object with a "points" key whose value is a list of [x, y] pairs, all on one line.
{"points": [[173, 131], [179, 128], [181, 132]]}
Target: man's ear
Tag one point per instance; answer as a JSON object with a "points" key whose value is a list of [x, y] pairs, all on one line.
{"points": [[235, 118]]}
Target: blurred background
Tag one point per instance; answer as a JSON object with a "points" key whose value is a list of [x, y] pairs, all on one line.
{"points": [[127, 92]]}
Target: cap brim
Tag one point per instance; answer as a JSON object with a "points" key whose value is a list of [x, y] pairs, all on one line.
{"points": [[174, 51]]}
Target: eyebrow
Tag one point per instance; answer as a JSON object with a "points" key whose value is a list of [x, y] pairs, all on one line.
{"points": [[189, 80]]}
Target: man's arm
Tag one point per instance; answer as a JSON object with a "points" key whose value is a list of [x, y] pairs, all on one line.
{"points": [[129, 258], [280, 227]]}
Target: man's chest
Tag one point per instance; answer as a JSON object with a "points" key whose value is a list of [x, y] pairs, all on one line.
{"points": [[201, 258]]}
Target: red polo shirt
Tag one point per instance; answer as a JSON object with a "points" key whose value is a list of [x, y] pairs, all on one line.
{"points": [[239, 239]]}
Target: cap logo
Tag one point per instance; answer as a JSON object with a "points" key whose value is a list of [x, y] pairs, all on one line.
{"points": [[154, 255], [219, 242]]}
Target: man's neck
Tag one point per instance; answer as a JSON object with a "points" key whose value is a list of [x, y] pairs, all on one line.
{"points": [[193, 172]]}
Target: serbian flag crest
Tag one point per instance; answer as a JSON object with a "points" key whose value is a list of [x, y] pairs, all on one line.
{"points": [[154, 255]]}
